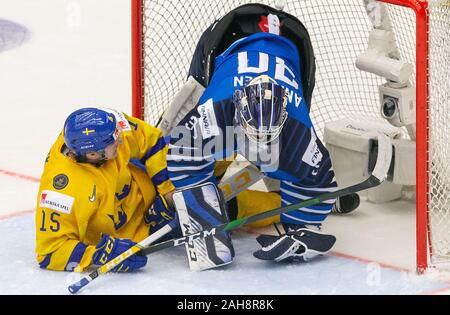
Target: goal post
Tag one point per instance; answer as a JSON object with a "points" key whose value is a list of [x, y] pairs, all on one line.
{"points": [[422, 120], [137, 58], [165, 33]]}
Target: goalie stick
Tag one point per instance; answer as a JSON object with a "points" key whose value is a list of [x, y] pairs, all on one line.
{"points": [[378, 176]]}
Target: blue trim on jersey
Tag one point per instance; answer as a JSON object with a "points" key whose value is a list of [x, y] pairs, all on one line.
{"points": [[76, 256], [132, 124], [138, 164], [281, 175], [183, 163], [194, 180], [308, 216], [311, 193], [295, 196], [327, 178], [320, 207], [173, 170], [297, 190], [160, 144], [297, 215], [160, 177], [44, 264], [167, 139]]}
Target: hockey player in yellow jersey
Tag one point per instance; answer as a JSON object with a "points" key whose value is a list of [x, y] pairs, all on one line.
{"points": [[102, 175]]}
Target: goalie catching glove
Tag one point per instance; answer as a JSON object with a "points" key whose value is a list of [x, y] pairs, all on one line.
{"points": [[299, 243]]}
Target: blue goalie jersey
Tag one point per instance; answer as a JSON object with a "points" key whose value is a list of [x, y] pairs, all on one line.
{"points": [[209, 133]]}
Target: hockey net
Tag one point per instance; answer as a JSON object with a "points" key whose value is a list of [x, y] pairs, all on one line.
{"points": [[166, 33]]}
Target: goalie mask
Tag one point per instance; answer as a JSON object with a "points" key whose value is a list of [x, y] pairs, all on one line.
{"points": [[261, 109]]}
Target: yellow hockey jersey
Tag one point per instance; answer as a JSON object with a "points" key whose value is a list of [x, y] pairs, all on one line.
{"points": [[77, 202]]}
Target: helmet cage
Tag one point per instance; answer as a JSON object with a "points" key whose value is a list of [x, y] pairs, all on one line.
{"points": [[261, 111]]}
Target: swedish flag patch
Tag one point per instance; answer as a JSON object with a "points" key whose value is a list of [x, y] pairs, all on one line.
{"points": [[60, 181]]}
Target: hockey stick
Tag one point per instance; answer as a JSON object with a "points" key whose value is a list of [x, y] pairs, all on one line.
{"points": [[75, 287], [379, 174], [231, 187]]}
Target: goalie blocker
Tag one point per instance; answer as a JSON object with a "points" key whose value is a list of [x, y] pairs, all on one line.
{"points": [[201, 208]]}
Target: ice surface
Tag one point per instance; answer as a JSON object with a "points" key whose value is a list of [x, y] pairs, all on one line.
{"points": [[167, 273]]}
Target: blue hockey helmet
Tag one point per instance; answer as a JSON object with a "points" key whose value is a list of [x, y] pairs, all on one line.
{"points": [[90, 130]]}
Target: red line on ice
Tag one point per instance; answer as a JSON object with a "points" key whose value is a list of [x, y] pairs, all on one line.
{"points": [[21, 176], [16, 214], [443, 291], [369, 261], [342, 255]]}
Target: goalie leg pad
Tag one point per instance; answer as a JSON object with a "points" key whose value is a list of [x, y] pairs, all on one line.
{"points": [[199, 208]]}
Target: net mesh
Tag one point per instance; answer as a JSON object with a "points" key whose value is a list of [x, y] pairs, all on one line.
{"points": [[439, 111], [339, 32]]}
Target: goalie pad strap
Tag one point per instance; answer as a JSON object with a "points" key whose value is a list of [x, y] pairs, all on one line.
{"points": [[185, 100]]}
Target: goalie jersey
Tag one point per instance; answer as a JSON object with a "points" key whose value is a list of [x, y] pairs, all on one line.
{"points": [[77, 202], [208, 134]]}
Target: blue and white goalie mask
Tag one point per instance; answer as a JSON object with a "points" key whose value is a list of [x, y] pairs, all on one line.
{"points": [[261, 109]]}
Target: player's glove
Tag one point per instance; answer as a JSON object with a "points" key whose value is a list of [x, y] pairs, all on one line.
{"points": [[299, 243], [159, 215], [110, 247]]}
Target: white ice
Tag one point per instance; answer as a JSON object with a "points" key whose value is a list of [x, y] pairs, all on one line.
{"points": [[168, 273], [77, 54]]}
